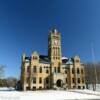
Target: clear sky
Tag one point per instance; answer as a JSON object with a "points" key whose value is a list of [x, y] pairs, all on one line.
{"points": [[24, 27]]}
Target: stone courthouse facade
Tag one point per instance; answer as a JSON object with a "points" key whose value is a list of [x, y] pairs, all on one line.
{"points": [[52, 71]]}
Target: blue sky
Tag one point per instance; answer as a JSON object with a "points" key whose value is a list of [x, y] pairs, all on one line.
{"points": [[24, 27]]}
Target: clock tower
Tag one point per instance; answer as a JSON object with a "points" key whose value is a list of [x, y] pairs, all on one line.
{"points": [[54, 49]]}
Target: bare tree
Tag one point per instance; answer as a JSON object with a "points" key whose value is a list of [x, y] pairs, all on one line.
{"points": [[91, 78], [11, 82]]}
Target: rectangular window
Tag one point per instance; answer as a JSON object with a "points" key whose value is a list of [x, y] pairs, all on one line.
{"points": [[47, 71], [47, 80], [78, 80], [65, 71], [34, 80], [81, 71], [72, 70], [66, 80], [40, 69], [58, 69], [40, 80], [54, 69], [78, 71], [82, 80], [73, 80], [34, 88], [40, 88], [79, 87]]}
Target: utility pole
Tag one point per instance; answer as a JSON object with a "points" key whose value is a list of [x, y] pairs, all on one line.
{"points": [[95, 72]]}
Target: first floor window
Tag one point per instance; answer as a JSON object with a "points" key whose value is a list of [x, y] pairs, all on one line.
{"points": [[47, 80], [34, 88], [79, 87], [82, 80], [40, 87], [73, 80], [66, 80]]}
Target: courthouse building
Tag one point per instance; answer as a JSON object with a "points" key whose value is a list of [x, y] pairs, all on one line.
{"points": [[52, 71]]}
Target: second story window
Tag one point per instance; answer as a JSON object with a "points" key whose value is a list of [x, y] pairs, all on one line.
{"points": [[81, 71], [54, 69], [47, 71], [78, 80], [58, 69], [65, 71], [34, 80], [40, 69], [34, 69]]}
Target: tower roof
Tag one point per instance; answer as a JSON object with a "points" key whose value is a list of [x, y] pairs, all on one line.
{"points": [[54, 31]]}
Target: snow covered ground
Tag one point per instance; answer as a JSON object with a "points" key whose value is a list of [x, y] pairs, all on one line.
{"points": [[49, 95]]}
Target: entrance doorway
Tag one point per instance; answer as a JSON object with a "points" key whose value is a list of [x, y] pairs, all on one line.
{"points": [[59, 83]]}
